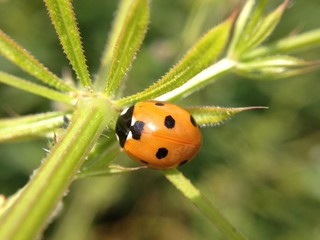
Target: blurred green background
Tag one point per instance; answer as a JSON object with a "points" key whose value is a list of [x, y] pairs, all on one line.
{"points": [[261, 169]]}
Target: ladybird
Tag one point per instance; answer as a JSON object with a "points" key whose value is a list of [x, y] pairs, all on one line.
{"points": [[158, 134]]}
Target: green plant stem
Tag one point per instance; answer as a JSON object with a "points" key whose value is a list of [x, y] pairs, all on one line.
{"points": [[36, 203], [204, 205]]}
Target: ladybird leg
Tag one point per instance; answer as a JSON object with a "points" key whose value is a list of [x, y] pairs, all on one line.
{"points": [[66, 121], [120, 169]]}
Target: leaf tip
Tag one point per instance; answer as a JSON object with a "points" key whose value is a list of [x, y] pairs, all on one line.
{"points": [[253, 108], [283, 6], [233, 15]]}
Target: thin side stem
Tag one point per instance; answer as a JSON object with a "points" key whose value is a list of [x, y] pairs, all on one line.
{"points": [[201, 202]]}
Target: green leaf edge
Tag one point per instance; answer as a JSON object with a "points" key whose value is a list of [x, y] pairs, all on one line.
{"points": [[27, 62]]}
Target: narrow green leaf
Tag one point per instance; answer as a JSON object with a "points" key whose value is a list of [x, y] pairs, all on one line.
{"points": [[203, 204], [263, 29], [295, 43], [295, 72], [128, 43], [200, 12], [30, 126], [275, 67], [254, 20], [63, 19], [117, 24], [210, 116], [276, 72], [240, 26], [200, 56], [22, 58], [34, 88], [274, 61]]}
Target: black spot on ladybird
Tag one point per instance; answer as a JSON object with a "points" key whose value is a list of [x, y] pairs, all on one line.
{"points": [[162, 153], [169, 121], [193, 121], [159, 104], [66, 121], [136, 129]]}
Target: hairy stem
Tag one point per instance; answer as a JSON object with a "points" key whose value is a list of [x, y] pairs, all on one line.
{"points": [[32, 208]]}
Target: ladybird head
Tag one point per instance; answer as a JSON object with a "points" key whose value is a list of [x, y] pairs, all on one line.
{"points": [[123, 125]]}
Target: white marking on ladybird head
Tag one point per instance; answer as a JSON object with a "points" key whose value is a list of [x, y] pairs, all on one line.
{"points": [[133, 120], [117, 137], [124, 111], [129, 136]]}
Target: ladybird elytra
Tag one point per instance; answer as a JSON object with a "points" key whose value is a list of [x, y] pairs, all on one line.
{"points": [[158, 134]]}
